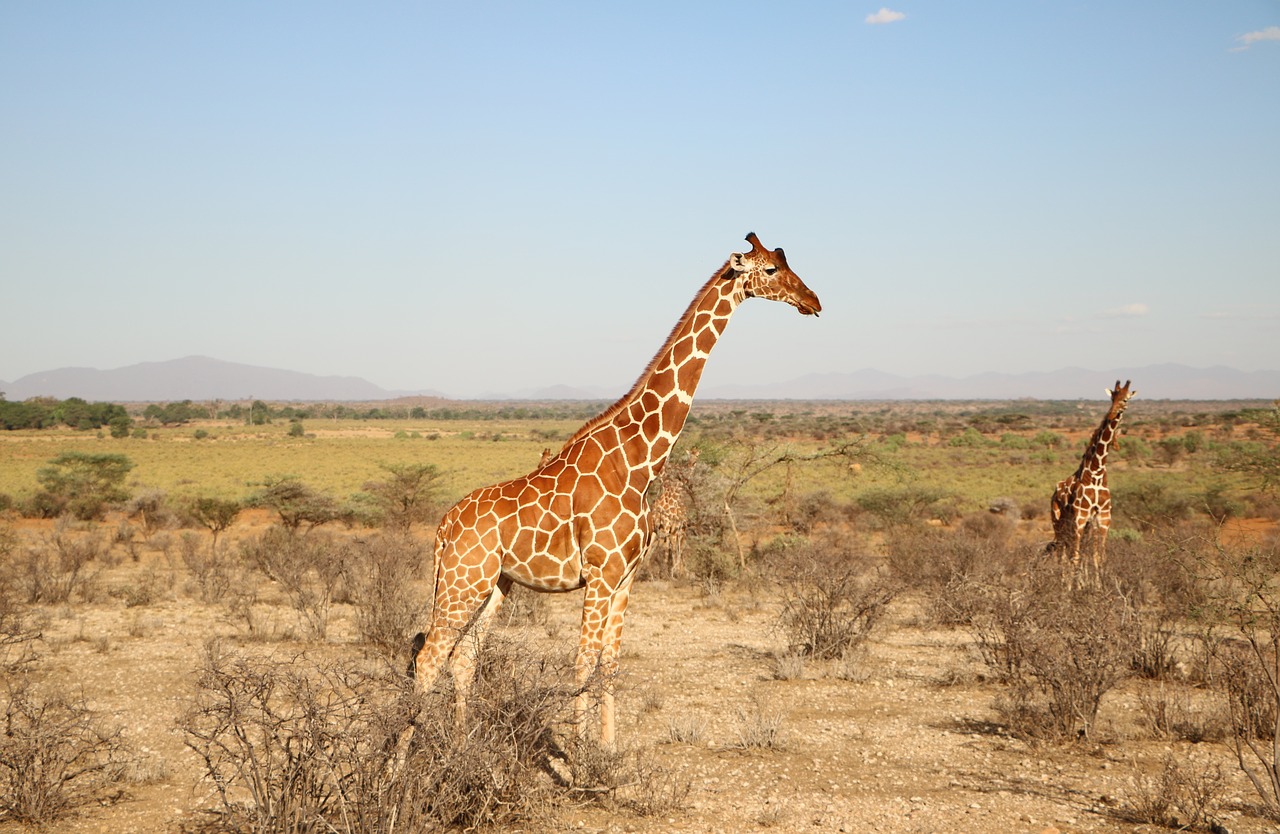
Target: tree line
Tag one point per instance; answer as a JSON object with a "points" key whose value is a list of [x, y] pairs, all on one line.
{"points": [[46, 412]]}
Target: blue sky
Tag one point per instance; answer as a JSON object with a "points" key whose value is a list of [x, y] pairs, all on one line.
{"points": [[490, 197]]}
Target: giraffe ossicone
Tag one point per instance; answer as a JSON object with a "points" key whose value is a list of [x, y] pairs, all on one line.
{"points": [[1081, 504], [580, 519]]}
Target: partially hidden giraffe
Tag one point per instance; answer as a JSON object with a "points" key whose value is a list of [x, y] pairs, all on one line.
{"points": [[580, 520], [669, 516], [1082, 502]]}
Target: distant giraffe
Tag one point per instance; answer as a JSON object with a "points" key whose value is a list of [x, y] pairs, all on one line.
{"points": [[669, 515], [670, 511], [1082, 503], [668, 518], [581, 520]]}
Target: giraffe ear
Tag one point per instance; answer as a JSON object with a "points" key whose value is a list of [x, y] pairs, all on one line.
{"points": [[736, 262]]}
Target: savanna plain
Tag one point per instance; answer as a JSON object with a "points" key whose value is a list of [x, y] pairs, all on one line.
{"points": [[205, 619]]}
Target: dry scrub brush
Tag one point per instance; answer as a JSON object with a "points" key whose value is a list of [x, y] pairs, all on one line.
{"points": [[1059, 651], [55, 755], [832, 599], [57, 568], [294, 744], [1187, 795], [1242, 619], [390, 605], [310, 569]]}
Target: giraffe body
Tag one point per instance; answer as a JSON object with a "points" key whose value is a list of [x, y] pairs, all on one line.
{"points": [[670, 520], [581, 520], [1081, 504]]}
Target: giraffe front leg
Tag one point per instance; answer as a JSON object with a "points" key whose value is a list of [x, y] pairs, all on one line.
{"points": [[594, 613], [597, 661], [462, 662], [609, 654], [1103, 522]]}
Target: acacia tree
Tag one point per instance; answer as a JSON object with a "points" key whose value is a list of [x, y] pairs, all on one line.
{"points": [[408, 495], [1259, 459], [742, 461], [83, 483], [297, 503], [215, 514]]}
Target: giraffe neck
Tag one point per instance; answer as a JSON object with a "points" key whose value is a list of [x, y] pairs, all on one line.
{"points": [[1093, 466], [648, 419]]}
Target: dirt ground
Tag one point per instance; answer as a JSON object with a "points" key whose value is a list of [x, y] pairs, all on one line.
{"points": [[908, 743]]}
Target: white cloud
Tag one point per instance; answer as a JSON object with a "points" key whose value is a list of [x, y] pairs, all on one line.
{"points": [[1128, 311], [1248, 39], [885, 15]]}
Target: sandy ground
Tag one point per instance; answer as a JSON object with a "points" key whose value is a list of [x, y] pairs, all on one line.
{"points": [[910, 744]]}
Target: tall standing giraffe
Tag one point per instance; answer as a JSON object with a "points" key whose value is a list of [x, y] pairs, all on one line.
{"points": [[580, 520], [1083, 500]]}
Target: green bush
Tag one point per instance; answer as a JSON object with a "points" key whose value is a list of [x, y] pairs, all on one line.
{"points": [[85, 483]]}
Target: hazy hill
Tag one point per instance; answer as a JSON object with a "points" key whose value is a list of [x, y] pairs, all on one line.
{"points": [[202, 378], [1158, 382], [192, 378]]}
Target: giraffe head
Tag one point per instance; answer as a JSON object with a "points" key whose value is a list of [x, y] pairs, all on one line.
{"points": [[765, 274], [1120, 396]]}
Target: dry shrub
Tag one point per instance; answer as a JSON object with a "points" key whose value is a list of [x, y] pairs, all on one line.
{"points": [[311, 570], [389, 605], [153, 512], [17, 634], [1247, 676], [1242, 618], [686, 728], [1168, 713], [759, 726], [292, 744], [1058, 650], [930, 558], [1185, 795], [57, 569], [56, 754], [1164, 593], [215, 570], [832, 599], [627, 780]]}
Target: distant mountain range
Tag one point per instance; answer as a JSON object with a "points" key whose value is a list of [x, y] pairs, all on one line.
{"points": [[195, 378], [1157, 382], [201, 378]]}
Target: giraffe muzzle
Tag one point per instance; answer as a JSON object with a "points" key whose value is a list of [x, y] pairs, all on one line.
{"points": [[807, 303]]}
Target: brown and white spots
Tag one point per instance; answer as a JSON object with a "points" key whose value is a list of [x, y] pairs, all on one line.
{"points": [[580, 519], [1081, 504]]}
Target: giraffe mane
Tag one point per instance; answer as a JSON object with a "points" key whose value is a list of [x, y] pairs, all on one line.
{"points": [[626, 399]]}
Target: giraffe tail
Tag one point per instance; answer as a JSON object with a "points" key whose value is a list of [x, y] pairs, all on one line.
{"points": [[419, 640]]}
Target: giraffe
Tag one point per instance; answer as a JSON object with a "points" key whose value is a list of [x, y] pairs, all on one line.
{"points": [[669, 512], [1083, 500], [580, 520], [669, 519]]}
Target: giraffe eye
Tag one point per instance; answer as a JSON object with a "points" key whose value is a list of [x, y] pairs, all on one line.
{"points": [[769, 270]]}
